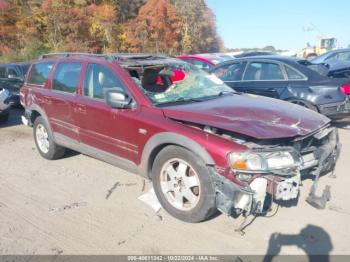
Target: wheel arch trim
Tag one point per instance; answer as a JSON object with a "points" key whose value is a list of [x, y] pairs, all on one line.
{"points": [[164, 139], [40, 111]]}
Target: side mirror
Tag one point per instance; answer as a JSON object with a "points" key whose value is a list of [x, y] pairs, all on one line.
{"points": [[118, 99]]}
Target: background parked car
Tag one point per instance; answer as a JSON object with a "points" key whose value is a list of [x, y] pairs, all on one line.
{"points": [[253, 53], [4, 105], [12, 77], [204, 61], [290, 79], [337, 62], [333, 56]]}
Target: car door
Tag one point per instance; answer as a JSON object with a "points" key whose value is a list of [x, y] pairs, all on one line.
{"points": [[59, 102], [230, 73], [3, 76], [265, 78], [14, 79], [102, 128]]}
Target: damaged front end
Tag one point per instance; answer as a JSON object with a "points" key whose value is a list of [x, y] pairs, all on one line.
{"points": [[270, 173]]}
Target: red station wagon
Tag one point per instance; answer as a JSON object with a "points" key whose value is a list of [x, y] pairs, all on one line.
{"points": [[204, 146]]}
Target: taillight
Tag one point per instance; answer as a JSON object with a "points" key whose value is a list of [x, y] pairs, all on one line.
{"points": [[345, 89]]}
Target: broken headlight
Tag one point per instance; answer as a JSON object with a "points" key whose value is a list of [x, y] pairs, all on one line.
{"points": [[255, 162]]}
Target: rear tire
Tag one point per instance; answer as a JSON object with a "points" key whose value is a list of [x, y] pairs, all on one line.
{"points": [[44, 140], [182, 183], [303, 103]]}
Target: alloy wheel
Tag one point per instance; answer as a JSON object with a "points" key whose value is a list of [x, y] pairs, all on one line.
{"points": [[180, 184], [42, 138]]}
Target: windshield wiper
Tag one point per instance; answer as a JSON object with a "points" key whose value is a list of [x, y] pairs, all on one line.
{"points": [[181, 100], [185, 99], [222, 93]]}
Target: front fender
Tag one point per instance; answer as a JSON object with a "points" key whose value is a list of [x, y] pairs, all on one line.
{"points": [[168, 138]]}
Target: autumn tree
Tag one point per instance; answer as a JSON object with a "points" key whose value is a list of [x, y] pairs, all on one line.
{"points": [[128, 9], [31, 27], [105, 32], [155, 29], [198, 27], [66, 25], [20, 35], [8, 35]]}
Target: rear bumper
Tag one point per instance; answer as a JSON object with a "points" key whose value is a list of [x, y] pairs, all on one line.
{"points": [[336, 110]]}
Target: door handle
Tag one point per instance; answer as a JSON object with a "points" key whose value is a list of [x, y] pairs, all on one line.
{"points": [[45, 100], [80, 108]]}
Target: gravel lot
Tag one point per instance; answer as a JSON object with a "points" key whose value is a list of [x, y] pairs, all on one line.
{"points": [[79, 205]]}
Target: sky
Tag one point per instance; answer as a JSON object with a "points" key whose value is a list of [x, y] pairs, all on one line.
{"points": [[284, 24]]}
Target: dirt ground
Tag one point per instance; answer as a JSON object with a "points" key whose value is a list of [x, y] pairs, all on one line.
{"points": [[79, 205]]}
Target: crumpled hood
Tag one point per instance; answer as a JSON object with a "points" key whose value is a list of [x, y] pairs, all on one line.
{"points": [[253, 116]]}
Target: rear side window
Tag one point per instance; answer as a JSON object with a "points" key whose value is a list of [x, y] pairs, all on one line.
{"points": [[342, 56], [12, 72], [263, 71], [228, 72], [66, 77], [98, 80], [293, 74], [201, 64], [39, 73]]}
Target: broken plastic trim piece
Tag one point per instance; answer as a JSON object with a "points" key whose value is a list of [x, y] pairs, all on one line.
{"points": [[319, 202], [327, 151], [24, 121]]}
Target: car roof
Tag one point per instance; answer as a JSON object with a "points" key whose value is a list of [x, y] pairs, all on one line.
{"points": [[280, 58], [203, 56], [339, 50], [277, 58], [123, 59], [296, 62], [16, 64]]}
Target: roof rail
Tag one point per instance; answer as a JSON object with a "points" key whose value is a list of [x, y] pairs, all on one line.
{"points": [[71, 54], [136, 56], [120, 57]]}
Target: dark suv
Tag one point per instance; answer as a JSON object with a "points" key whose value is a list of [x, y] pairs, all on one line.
{"points": [[203, 146], [12, 78]]}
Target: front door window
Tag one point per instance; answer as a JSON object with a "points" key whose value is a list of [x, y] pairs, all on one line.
{"points": [[99, 80]]}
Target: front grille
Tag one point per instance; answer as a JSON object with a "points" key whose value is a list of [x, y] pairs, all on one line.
{"points": [[310, 147], [311, 143]]}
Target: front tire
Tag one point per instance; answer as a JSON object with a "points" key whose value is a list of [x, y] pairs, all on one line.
{"points": [[182, 183], [44, 140]]}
